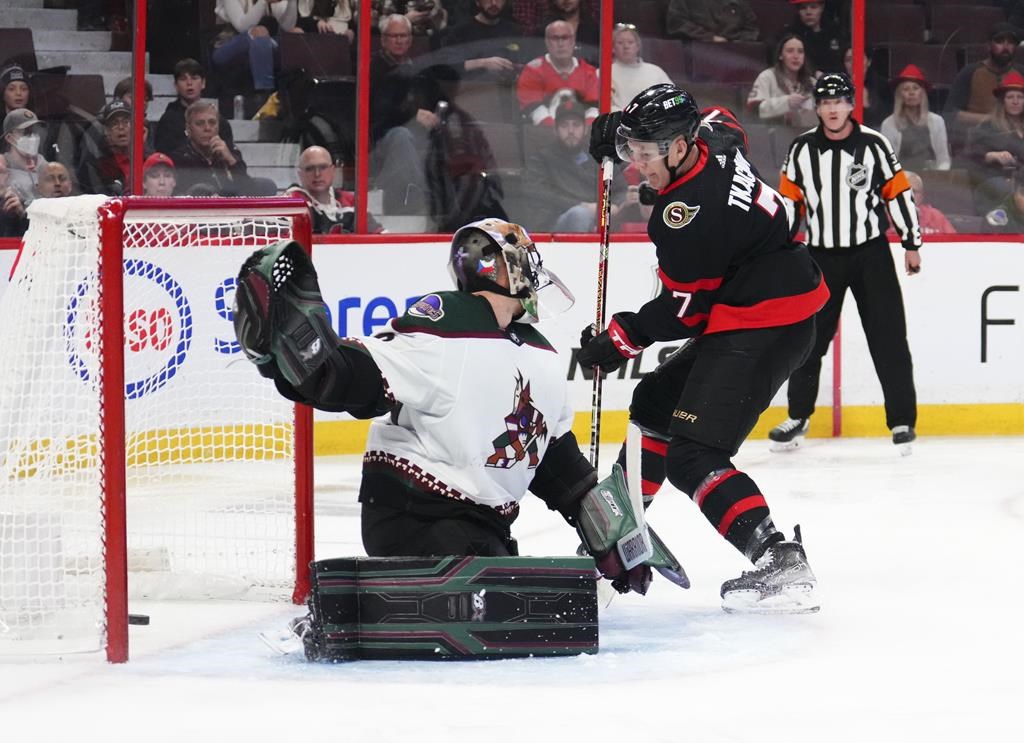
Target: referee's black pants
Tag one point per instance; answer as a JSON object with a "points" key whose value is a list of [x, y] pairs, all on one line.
{"points": [[868, 272]]}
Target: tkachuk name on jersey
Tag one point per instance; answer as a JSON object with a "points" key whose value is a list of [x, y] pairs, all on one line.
{"points": [[741, 193]]}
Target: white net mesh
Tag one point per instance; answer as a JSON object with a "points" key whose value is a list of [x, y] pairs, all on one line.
{"points": [[209, 443]]}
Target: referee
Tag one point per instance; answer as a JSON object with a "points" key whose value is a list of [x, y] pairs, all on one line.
{"points": [[844, 177]]}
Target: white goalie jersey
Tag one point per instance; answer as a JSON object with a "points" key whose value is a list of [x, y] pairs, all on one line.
{"points": [[464, 441]]}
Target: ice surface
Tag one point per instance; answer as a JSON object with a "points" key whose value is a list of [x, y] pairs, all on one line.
{"points": [[919, 636]]}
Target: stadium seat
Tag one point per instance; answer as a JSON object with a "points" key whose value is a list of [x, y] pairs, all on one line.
{"points": [[894, 23], [506, 145], [964, 24], [717, 94], [732, 62], [772, 17], [938, 62], [18, 47], [486, 101], [647, 15], [668, 55], [53, 94], [322, 56]]}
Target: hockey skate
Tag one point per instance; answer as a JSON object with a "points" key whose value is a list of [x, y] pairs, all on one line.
{"points": [[780, 583], [787, 435], [902, 437]]}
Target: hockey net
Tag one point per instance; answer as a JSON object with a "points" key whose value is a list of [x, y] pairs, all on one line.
{"points": [[214, 464]]}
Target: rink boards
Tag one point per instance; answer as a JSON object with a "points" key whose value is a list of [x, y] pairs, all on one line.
{"points": [[965, 315]]}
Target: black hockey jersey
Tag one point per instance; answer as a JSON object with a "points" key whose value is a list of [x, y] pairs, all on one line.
{"points": [[725, 258]]}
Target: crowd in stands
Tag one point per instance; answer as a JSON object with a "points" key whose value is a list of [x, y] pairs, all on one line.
{"points": [[482, 107]]}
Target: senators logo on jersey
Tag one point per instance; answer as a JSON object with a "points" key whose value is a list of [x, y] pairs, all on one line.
{"points": [[678, 214]]}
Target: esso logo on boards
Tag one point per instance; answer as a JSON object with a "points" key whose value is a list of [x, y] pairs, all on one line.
{"points": [[157, 328]]}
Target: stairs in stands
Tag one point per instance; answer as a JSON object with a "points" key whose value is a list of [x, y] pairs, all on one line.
{"points": [[58, 43]]}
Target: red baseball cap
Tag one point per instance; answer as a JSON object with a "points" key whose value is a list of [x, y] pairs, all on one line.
{"points": [[157, 158]]}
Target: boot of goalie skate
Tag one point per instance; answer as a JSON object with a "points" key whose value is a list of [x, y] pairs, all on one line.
{"points": [[788, 434], [780, 583]]}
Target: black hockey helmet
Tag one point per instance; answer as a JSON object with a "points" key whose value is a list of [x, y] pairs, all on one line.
{"points": [[834, 85], [473, 265], [660, 113]]}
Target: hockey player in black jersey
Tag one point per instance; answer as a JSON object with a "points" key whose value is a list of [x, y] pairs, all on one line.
{"points": [[734, 283]]}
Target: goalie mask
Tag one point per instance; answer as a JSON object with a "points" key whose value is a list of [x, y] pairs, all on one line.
{"points": [[481, 248]]}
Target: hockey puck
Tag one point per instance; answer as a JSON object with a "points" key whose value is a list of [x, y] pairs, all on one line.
{"points": [[138, 619]]}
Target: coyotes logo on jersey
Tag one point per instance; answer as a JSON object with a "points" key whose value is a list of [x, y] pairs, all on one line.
{"points": [[524, 427]]}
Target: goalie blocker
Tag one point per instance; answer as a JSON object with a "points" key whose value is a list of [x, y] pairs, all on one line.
{"points": [[442, 608]]}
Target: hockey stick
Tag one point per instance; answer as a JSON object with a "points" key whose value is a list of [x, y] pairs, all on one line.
{"points": [[607, 169]]}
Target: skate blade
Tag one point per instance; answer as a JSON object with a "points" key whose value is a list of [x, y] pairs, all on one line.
{"points": [[798, 599], [905, 449], [778, 446], [283, 642]]}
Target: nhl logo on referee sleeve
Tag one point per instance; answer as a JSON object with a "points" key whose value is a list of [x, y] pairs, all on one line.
{"points": [[678, 214], [857, 177]]}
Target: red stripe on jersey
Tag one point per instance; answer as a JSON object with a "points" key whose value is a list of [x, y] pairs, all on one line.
{"points": [[700, 285], [690, 174], [738, 508], [710, 483], [770, 313], [694, 320], [654, 445], [648, 487]]}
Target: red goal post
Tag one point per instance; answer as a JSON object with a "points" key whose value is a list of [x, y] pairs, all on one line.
{"points": [[143, 457]]}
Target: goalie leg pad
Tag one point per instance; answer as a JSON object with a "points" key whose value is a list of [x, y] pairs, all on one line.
{"points": [[441, 608], [280, 312]]}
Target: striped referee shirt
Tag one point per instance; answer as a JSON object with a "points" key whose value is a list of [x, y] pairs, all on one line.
{"points": [[844, 188]]}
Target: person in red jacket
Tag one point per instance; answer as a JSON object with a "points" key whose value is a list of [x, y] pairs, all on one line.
{"points": [[735, 283], [559, 75]]}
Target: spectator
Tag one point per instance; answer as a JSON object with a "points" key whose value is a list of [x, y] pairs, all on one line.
{"points": [[932, 221], [248, 34], [109, 171], [823, 38], [1008, 216], [327, 17], [401, 121], [189, 82], [487, 45], [54, 181], [874, 93], [557, 76], [583, 24], [970, 98], [427, 17], [711, 20], [23, 132], [158, 177], [917, 136], [331, 209], [561, 180], [14, 83], [208, 159], [13, 221], [996, 145], [630, 74], [123, 92], [784, 93]]}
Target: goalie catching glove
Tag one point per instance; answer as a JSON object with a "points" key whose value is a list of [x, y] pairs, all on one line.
{"points": [[280, 317], [623, 547]]}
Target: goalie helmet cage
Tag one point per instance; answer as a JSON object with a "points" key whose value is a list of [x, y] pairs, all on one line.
{"points": [[144, 455]]}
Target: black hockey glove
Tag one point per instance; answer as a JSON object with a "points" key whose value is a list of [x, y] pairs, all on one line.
{"points": [[280, 318], [615, 346], [602, 137]]}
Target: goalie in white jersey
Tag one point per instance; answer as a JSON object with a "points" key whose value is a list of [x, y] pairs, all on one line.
{"points": [[477, 405]]}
